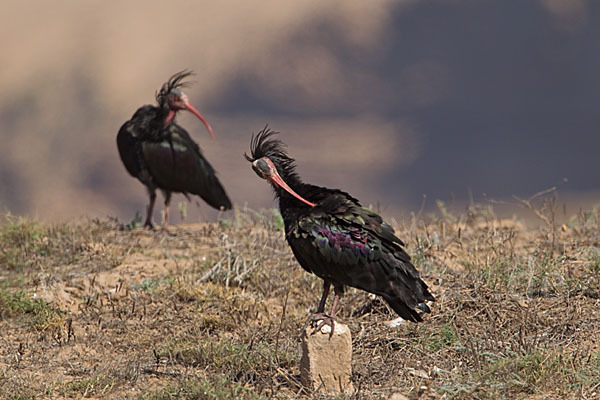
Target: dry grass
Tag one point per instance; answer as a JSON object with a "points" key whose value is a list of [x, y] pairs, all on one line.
{"points": [[94, 309]]}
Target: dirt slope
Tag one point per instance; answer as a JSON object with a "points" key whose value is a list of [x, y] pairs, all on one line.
{"points": [[93, 309]]}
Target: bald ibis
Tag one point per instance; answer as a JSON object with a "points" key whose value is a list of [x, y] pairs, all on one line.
{"points": [[162, 155], [334, 237]]}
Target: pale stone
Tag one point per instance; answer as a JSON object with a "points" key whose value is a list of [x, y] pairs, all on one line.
{"points": [[398, 396], [395, 323], [418, 373], [326, 362]]}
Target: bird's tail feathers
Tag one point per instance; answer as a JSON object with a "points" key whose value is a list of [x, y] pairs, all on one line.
{"points": [[404, 305], [400, 307], [214, 194]]}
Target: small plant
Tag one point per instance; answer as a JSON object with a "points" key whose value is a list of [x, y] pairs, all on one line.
{"points": [[182, 207], [96, 385], [594, 260], [36, 312], [21, 240], [147, 285], [135, 223], [277, 220], [446, 336]]}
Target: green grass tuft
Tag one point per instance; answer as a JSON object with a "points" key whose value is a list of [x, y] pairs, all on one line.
{"points": [[20, 241], [36, 312], [97, 385]]}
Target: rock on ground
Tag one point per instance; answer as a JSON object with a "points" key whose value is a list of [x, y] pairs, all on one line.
{"points": [[326, 362]]}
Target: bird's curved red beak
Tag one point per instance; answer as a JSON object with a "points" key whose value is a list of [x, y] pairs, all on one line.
{"points": [[276, 179], [190, 107]]}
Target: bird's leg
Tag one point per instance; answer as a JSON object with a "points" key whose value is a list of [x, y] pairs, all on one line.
{"points": [[330, 319], [338, 292], [326, 286], [167, 203], [320, 316], [148, 223]]}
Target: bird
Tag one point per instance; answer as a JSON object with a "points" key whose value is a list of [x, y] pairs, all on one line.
{"points": [[162, 155], [334, 237]]}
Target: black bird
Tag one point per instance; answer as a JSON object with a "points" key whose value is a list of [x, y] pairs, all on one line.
{"points": [[162, 155], [337, 239]]}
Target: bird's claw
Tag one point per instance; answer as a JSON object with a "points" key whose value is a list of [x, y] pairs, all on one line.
{"points": [[322, 319]]}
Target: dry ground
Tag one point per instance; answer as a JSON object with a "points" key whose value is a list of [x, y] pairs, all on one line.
{"points": [[95, 309]]}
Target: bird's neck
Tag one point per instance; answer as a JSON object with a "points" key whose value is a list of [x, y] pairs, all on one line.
{"points": [[159, 120], [286, 200], [165, 115]]}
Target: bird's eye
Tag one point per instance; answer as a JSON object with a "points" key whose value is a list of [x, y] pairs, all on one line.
{"points": [[261, 168], [262, 165]]}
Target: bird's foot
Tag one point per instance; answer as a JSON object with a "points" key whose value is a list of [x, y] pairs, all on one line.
{"points": [[149, 225], [319, 320]]}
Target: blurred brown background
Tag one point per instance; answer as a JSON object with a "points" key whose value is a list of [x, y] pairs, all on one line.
{"points": [[389, 100]]}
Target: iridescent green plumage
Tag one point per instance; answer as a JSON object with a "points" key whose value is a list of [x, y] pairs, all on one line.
{"points": [[340, 241]]}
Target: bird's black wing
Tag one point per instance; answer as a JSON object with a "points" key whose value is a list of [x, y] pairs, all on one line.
{"points": [[177, 165], [128, 146], [343, 242]]}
